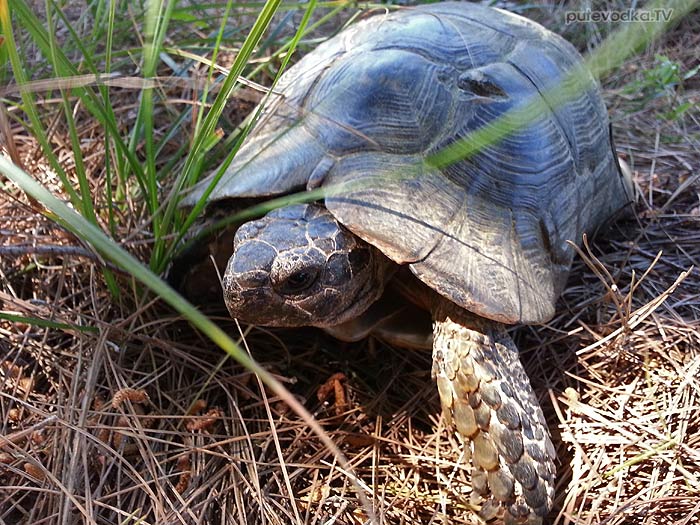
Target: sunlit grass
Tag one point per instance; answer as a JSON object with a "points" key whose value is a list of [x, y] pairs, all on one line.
{"points": [[138, 164]]}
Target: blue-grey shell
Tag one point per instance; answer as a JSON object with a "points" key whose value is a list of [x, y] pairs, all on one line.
{"points": [[363, 113]]}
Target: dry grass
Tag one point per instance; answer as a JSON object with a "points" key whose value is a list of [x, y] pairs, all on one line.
{"points": [[137, 418]]}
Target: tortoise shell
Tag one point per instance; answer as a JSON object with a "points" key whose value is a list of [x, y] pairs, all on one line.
{"points": [[366, 114]]}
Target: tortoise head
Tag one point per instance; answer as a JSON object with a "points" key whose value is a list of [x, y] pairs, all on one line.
{"points": [[298, 266]]}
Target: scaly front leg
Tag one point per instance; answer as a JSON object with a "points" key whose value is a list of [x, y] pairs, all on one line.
{"points": [[485, 392]]}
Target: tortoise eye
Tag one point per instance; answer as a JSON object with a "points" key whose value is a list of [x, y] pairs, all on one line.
{"points": [[298, 281]]}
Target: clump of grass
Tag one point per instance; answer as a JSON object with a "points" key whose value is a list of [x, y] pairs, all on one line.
{"points": [[664, 79]]}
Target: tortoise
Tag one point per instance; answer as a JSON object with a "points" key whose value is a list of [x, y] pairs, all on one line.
{"points": [[481, 242]]}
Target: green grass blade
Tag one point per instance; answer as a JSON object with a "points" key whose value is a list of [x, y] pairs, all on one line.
{"points": [[45, 323], [157, 18]]}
